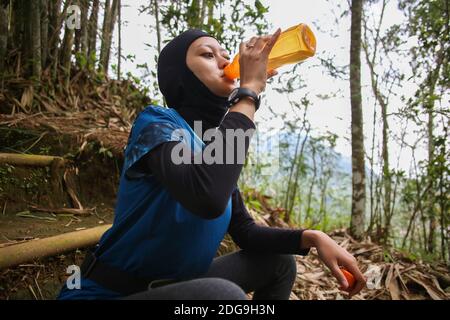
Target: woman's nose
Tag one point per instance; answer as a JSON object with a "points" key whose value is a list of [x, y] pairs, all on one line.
{"points": [[223, 62]]}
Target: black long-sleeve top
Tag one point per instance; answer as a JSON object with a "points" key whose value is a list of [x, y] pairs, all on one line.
{"points": [[204, 189]]}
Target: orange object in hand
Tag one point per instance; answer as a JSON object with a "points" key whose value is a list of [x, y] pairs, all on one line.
{"points": [[350, 278]]}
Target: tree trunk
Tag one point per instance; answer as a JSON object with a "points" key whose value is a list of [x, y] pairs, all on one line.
{"points": [[429, 106], [112, 23], [16, 254], [291, 171], [158, 25], [386, 172], [358, 167], [313, 181], [107, 31], [81, 35], [387, 179], [3, 33], [54, 28], [431, 198], [44, 32], [93, 21], [84, 27], [119, 51], [17, 23], [36, 38], [66, 54], [27, 38], [33, 160], [57, 22], [297, 176], [210, 12], [202, 12], [193, 14]]}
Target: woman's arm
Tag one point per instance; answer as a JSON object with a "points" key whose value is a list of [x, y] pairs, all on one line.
{"points": [[204, 189], [250, 236]]}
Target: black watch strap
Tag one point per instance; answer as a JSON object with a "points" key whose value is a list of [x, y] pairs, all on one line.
{"points": [[238, 93]]}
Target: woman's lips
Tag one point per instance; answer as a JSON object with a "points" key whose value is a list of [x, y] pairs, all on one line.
{"points": [[227, 79]]}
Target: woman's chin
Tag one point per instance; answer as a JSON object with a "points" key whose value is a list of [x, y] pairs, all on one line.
{"points": [[228, 89]]}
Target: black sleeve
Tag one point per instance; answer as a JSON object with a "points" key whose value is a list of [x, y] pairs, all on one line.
{"points": [[250, 236], [204, 189]]}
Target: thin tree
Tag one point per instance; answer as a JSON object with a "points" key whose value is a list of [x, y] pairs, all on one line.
{"points": [[4, 5], [93, 25], [107, 31], [358, 167], [44, 32], [36, 38], [157, 24], [119, 27]]}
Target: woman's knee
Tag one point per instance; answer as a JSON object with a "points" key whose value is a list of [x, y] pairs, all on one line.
{"points": [[222, 289], [287, 264]]}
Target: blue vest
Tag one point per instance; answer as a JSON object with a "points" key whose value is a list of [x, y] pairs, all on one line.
{"points": [[153, 235]]}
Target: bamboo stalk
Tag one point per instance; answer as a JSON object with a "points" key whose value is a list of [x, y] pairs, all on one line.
{"points": [[35, 249], [27, 159]]}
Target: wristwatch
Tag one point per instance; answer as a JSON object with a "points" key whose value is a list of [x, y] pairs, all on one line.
{"points": [[239, 93]]}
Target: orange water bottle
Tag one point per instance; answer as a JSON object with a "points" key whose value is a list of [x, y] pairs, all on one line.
{"points": [[295, 44]]}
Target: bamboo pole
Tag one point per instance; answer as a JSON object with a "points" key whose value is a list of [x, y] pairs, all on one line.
{"points": [[16, 254], [27, 159]]}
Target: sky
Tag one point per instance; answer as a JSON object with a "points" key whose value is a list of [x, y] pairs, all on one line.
{"points": [[330, 115]]}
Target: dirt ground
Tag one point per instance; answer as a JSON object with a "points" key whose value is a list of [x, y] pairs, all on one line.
{"points": [[42, 279]]}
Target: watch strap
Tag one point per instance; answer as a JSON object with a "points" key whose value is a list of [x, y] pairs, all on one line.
{"points": [[239, 93]]}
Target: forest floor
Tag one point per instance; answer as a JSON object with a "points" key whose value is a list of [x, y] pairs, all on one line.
{"points": [[93, 140]]}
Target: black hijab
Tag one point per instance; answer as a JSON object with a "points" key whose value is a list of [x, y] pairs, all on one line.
{"points": [[182, 89]]}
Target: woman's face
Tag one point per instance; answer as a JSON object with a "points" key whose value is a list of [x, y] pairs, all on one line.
{"points": [[207, 59]]}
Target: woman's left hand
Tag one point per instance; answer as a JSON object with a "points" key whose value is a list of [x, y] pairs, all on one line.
{"points": [[334, 256]]}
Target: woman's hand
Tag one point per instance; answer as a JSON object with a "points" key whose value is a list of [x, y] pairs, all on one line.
{"points": [[335, 256], [253, 57]]}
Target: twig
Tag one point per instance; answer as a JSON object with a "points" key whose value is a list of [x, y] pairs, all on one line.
{"points": [[37, 285], [15, 121], [81, 212], [32, 265], [34, 143], [32, 291]]}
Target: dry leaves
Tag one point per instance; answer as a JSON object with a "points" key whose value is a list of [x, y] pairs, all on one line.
{"points": [[399, 280]]}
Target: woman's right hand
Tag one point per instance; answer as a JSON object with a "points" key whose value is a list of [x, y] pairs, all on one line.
{"points": [[253, 57], [334, 256]]}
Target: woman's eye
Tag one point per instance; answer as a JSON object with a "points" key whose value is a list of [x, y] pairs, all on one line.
{"points": [[211, 55]]}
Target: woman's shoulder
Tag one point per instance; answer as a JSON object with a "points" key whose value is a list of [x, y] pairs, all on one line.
{"points": [[157, 113]]}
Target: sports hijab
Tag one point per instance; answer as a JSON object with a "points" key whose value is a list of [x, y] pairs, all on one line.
{"points": [[182, 89]]}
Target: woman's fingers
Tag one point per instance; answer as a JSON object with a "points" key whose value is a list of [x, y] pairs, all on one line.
{"points": [[359, 278], [271, 73], [271, 42], [252, 41], [261, 42], [336, 271], [264, 44]]}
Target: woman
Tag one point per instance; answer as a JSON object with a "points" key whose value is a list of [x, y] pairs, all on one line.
{"points": [[171, 217]]}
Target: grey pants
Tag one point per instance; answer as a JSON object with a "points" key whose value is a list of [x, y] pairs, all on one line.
{"points": [[230, 277]]}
